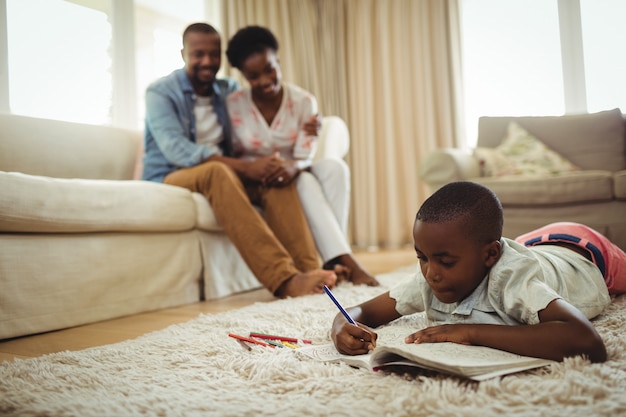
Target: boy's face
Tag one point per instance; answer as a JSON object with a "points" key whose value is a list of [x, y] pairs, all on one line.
{"points": [[451, 261]]}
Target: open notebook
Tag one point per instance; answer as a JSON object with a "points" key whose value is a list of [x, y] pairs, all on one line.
{"points": [[474, 362]]}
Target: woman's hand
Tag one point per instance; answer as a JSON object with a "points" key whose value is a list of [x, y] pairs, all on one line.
{"points": [[262, 168], [282, 175], [313, 126], [272, 170]]}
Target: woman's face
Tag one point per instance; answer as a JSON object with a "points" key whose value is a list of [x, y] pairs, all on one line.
{"points": [[262, 71]]}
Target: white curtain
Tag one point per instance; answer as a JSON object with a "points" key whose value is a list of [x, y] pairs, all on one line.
{"points": [[391, 70]]}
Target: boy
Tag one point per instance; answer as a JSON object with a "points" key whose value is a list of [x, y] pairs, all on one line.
{"points": [[493, 291]]}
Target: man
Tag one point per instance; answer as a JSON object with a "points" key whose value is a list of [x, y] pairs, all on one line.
{"points": [[187, 143]]}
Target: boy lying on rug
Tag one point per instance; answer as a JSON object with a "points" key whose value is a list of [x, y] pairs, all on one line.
{"points": [[543, 286]]}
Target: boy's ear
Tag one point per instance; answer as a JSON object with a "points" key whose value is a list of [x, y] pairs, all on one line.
{"points": [[493, 251]]}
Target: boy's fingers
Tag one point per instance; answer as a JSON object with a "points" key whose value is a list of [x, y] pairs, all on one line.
{"points": [[355, 340], [413, 338]]}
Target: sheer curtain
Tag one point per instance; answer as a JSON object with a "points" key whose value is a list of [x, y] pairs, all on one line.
{"points": [[391, 70]]}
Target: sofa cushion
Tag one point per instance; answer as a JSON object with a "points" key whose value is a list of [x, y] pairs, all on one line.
{"points": [[571, 188], [206, 218], [30, 203], [619, 185], [589, 141], [442, 166], [520, 153]]}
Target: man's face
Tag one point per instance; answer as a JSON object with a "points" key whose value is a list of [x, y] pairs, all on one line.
{"points": [[202, 53]]}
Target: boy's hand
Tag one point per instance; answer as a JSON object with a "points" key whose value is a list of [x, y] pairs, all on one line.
{"points": [[353, 340], [457, 333]]}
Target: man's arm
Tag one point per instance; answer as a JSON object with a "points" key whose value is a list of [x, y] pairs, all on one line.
{"points": [[563, 331], [258, 169], [169, 133]]}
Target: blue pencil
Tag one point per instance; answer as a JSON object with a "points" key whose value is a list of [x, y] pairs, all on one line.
{"points": [[343, 310]]}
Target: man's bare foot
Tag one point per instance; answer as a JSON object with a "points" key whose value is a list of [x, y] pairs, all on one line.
{"points": [[305, 283], [350, 268]]}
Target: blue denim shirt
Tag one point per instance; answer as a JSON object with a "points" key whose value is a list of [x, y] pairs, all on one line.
{"points": [[170, 132]]}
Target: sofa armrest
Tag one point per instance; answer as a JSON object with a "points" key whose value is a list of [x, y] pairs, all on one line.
{"points": [[334, 139], [619, 185], [59, 149], [446, 165]]}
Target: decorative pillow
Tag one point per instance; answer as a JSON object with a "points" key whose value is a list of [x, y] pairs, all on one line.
{"points": [[520, 153]]}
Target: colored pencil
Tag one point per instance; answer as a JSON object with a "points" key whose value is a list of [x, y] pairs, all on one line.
{"points": [[281, 338], [244, 344], [343, 310], [249, 339], [273, 342]]}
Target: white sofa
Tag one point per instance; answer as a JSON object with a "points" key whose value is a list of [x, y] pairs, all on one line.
{"points": [[83, 240], [595, 195]]}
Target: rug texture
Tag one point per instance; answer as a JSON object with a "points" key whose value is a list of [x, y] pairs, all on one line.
{"points": [[196, 369]]}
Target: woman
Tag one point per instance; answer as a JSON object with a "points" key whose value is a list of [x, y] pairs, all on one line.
{"points": [[267, 119]]}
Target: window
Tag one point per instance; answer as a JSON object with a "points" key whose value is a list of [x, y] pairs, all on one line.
{"points": [[90, 61], [58, 60], [515, 57], [604, 40], [159, 29]]}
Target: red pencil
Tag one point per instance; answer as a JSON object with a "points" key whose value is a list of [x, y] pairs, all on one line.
{"points": [[249, 339], [281, 338]]}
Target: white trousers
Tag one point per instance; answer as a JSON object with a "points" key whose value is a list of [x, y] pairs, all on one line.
{"points": [[325, 197]]}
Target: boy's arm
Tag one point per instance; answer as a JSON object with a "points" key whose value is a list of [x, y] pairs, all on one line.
{"points": [[355, 340], [563, 331]]}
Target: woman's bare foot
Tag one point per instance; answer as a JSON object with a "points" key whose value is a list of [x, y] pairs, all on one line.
{"points": [[351, 270], [305, 283], [343, 272], [360, 276]]}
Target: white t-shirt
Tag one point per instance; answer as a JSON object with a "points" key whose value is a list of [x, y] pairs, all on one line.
{"points": [[252, 136], [522, 283], [208, 129]]}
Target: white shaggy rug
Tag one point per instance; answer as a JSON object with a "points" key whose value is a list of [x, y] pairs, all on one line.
{"points": [[196, 369]]}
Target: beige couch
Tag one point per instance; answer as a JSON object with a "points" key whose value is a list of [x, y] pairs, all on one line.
{"points": [[594, 195], [81, 240]]}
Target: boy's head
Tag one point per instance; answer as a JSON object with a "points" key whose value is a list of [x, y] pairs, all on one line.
{"points": [[457, 235], [475, 205]]}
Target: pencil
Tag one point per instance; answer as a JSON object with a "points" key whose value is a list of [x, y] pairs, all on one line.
{"points": [[274, 343], [249, 339], [343, 310], [281, 338], [244, 344]]}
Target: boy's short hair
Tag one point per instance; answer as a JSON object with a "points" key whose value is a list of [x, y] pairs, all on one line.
{"points": [[198, 28], [247, 41], [475, 204]]}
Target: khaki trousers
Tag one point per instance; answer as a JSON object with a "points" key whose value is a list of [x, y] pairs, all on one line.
{"points": [[275, 249]]}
